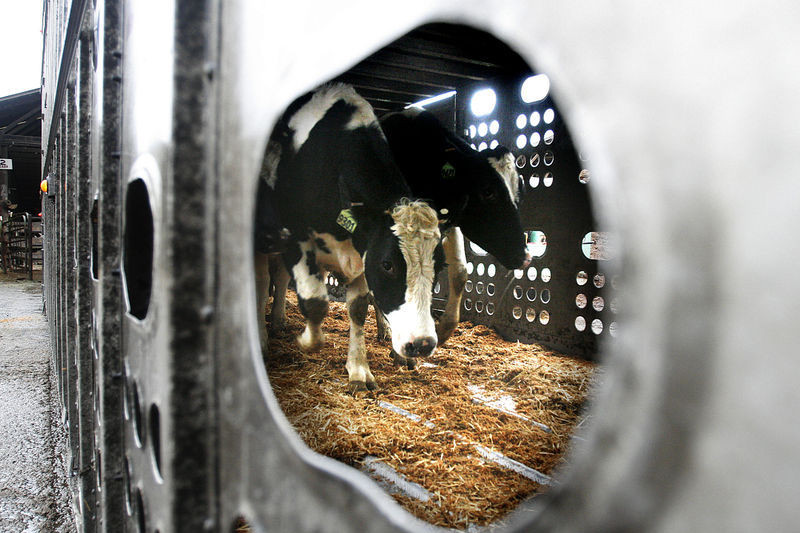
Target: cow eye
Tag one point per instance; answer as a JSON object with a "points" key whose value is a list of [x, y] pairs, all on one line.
{"points": [[388, 267], [487, 193]]}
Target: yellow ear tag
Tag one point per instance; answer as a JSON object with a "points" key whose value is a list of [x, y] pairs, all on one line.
{"points": [[347, 220], [448, 170]]}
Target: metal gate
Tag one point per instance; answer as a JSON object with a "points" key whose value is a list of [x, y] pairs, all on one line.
{"points": [[156, 115]]}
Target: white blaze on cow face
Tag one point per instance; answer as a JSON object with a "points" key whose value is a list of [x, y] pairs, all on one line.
{"points": [[506, 168], [417, 229], [304, 120]]}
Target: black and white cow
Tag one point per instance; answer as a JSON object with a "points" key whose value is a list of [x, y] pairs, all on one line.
{"points": [[474, 192], [334, 185]]}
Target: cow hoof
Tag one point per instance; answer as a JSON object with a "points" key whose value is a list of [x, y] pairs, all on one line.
{"points": [[403, 361], [310, 345], [277, 326], [361, 386]]}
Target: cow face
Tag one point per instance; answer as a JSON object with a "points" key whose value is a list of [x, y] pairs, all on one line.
{"points": [[491, 215], [400, 267]]}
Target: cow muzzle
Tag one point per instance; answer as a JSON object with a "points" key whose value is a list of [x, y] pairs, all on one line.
{"points": [[419, 347]]}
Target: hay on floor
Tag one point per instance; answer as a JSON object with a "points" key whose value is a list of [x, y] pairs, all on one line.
{"points": [[436, 424]]}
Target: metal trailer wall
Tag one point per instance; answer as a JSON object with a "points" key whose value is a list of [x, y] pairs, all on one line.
{"points": [[692, 429]]}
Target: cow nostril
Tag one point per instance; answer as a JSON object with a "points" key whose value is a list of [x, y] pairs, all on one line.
{"points": [[410, 349], [424, 346]]}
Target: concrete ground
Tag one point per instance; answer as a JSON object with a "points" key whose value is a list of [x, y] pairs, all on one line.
{"points": [[34, 494]]}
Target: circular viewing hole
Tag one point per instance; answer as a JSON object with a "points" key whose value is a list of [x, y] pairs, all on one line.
{"points": [[535, 139], [483, 129], [522, 121], [155, 438], [518, 273], [531, 294], [599, 281], [597, 326], [479, 287], [468, 304], [494, 127], [548, 179], [490, 309], [520, 162], [544, 318], [437, 288], [483, 146], [517, 312], [582, 278], [549, 116], [612, 329], [126, 473], [530, 314], [490, 289], [137, 252], [549, 135], [581, 301], [522, 140], [549, 158], [470, 268], [535, 158], [473, 131], [534, 180], [491, 270], [531, 273], [518, 292], [468, 286], [580, 323], [598, 303], [535, 118], [583, 177], [546, 275], [135, 412], [479, 306], [481, 268], [139, 512], [544, 296]]}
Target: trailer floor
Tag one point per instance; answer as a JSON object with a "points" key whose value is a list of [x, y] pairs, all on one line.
{"points": [[461, 440], [34, 494]]}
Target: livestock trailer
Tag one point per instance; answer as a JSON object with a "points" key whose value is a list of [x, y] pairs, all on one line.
{"points": [[659, 204]]}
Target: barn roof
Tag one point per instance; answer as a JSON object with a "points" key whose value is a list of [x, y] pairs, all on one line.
{"points": [[21, 120]]}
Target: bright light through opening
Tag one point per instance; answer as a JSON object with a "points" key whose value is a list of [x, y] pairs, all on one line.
{"points": [[535, 88], [432, 99], [483, 102]]}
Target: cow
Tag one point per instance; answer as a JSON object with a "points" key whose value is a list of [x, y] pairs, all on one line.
{"points": [[477, 193], [333, 184]]}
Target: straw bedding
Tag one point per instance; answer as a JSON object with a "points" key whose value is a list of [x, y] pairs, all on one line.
{"points": [[453, 403]]}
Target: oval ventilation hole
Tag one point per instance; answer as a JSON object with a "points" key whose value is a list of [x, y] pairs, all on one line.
{"points": [[137, 252]]}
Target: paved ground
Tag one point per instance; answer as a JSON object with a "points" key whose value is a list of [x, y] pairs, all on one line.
{"points": [[33, 485]]}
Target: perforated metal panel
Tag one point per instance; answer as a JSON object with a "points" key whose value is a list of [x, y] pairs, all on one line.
{"points": [[537, 304]]}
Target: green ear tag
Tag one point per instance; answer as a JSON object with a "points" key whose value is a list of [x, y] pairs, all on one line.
{"points": [[347, 220], [448, 171]]}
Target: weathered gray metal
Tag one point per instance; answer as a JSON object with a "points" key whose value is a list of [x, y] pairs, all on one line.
{"points": [[698, 387]]}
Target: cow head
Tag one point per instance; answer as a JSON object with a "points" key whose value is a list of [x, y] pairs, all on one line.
{"points": [[490, 217], [400, 263]]}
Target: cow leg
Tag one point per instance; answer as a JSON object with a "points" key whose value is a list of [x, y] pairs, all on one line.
{"points": [[277, 316], [453, 244], [312, 294], [359, 375], [261, 268], [384, 331]]}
